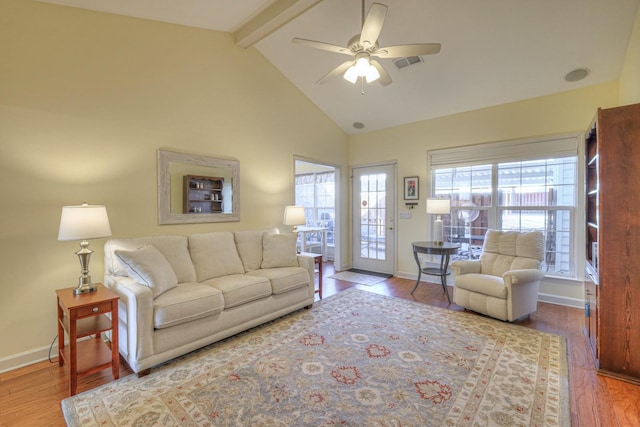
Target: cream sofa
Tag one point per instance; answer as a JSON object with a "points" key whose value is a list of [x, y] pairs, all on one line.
{"points": [[179, 293]]}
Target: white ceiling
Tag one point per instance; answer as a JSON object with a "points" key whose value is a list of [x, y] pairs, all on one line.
{"points": [[493, 51]]}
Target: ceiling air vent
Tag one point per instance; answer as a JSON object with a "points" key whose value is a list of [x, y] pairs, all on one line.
{"points": [[401, 63]]}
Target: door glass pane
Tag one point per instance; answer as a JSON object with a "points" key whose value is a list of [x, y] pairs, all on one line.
{"points": [[372, 216]]}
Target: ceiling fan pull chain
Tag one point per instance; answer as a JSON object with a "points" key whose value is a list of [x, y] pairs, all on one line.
{"points": [[362, 81]]}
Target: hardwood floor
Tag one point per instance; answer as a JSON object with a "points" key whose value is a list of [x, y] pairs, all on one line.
{"points": [[31, 396]]}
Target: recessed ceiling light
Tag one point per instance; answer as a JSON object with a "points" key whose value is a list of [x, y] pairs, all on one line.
{"points": [[358, 125], [577, 74]]}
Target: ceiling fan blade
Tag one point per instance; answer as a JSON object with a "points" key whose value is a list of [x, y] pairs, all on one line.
{"points": [[335, 72], [385, 78], [323, 46], [404, 50], [373, 25]]}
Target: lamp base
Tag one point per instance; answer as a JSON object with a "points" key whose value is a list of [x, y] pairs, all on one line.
{"points": [[84, 281], [84, 288], [438, 233]]}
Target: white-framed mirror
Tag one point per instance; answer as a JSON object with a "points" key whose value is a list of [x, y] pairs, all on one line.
{"points": [[197, 189]]}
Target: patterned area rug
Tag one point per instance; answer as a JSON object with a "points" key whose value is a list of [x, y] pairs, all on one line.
{"points": [[354, 359], [360, 278]]}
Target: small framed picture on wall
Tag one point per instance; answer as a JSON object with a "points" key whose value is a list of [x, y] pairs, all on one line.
{"points": [[411, 188]]}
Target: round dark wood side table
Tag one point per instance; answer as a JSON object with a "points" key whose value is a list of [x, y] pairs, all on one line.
{"points": [[445, 250]]}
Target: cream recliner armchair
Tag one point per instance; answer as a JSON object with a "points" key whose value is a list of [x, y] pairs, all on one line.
{"points": [[504, 282]]}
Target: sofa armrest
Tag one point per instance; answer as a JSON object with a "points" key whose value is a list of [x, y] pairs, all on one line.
{"points": [[465, 267], [136, 317], [522, 277], [308, 262]]}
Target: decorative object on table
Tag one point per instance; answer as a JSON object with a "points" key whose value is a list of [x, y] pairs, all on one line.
{"points": [[505, 283], [83, 223], [411, 190], [294, 215], [438, 207], [356, 358]]}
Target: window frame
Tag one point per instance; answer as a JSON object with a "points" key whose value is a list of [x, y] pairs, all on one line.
{"points": [[315, 217], [523, 150]]}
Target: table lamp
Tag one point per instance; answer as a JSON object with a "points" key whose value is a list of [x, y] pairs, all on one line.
{"points": [[82, 223], [438, 207], [294, 215]]}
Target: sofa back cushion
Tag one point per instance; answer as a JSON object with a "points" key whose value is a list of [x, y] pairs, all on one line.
{"points": [[214, 255], [279, 250], [174, 249], [249, 245], [511, 250]]}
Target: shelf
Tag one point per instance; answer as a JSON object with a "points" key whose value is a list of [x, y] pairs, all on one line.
{"points": [[202, 194], [612, 285], [96, 356], [89, 325]]}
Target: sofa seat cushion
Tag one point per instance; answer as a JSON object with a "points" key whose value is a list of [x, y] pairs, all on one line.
{"points": [[239, 289], [284, 279], [185, 303], [483, 284]]}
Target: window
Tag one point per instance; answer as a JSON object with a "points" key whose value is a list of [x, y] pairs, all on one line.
{"points": [[316, 192], [511, 193]]}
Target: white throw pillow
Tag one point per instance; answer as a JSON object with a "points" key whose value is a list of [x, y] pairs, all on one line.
{"points": [[149, 267], [279, 250]]}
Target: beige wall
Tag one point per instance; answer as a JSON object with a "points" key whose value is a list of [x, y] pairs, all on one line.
{"points": [[566, 112], [86, 99], [630, 77]]}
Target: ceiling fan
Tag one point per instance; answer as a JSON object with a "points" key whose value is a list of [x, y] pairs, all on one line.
{"points": [[364, 46]]}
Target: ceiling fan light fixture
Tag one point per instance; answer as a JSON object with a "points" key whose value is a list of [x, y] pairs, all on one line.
{"points": [[362, 66], [372, 74], [351, 75]]}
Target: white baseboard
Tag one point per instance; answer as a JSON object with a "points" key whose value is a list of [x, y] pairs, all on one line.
{"points": [[560, 300], [27, 358]]}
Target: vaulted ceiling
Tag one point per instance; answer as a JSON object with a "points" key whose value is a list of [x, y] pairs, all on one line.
{"points": [[493, 51]]}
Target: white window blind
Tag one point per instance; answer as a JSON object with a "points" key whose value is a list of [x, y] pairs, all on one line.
{"points": [[504, 151]]}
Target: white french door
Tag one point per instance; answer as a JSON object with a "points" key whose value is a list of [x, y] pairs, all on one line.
{"points": [[374, 195]]}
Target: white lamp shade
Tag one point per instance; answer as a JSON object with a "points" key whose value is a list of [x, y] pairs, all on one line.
{"points": [[294, 215], [439, 206], [351, 75], [84, 222], [372, 74], [362, 66]]}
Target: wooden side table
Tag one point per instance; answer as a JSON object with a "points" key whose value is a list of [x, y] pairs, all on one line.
{"points": [[442, 249], [82, 316], [317, 258]]}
